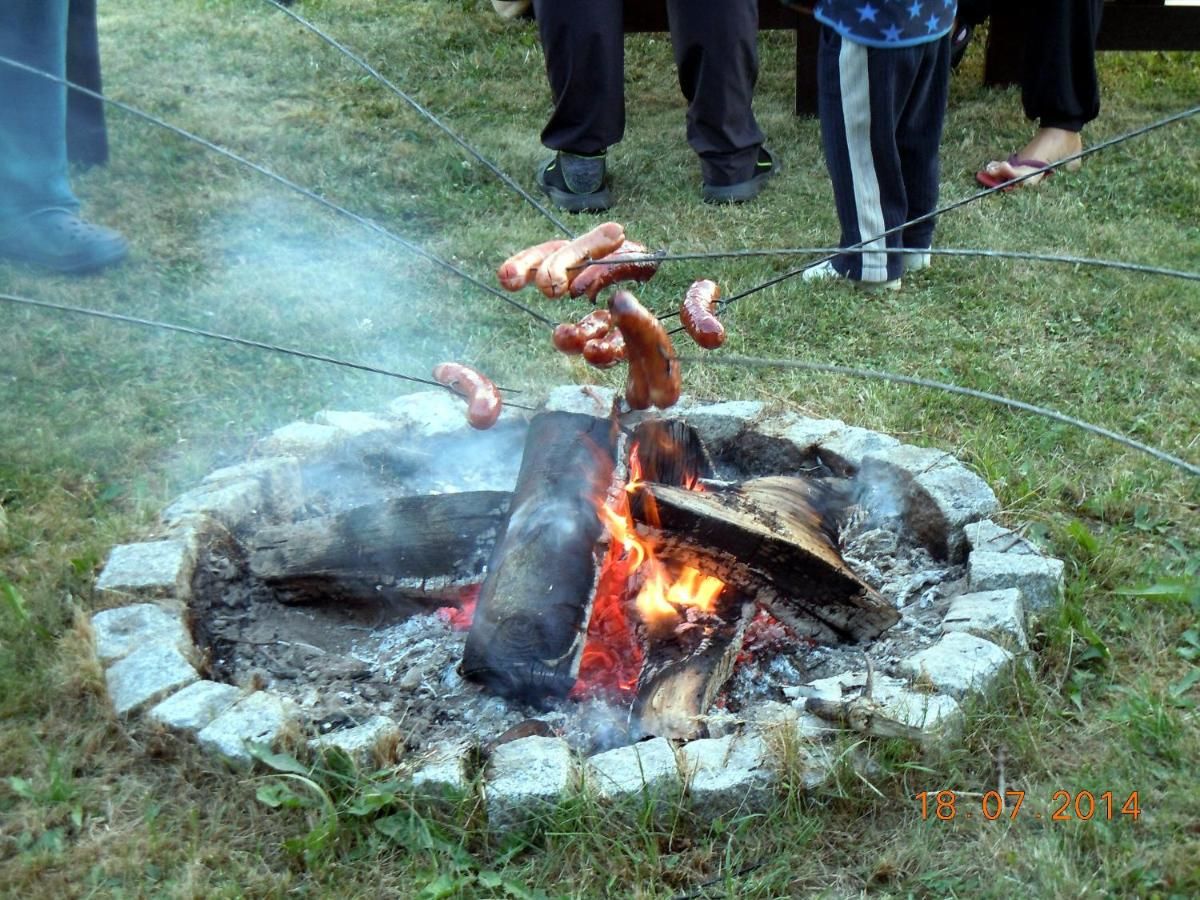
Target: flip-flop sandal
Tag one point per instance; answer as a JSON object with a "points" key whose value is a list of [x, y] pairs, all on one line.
{"points": [[991, 180]]}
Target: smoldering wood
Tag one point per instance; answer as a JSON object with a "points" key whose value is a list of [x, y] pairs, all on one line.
{"points": [[768, 538], [683, 672], [671, 452], [431, 544], [531, 619]]}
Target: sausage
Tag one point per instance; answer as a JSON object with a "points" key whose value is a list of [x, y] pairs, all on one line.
{"points": [[698, 314], [483, 397], [553, 276], [566, 339], [605, 352], [519, 269], [649, 351], [570, 339], [635, 264], [637, 385]]}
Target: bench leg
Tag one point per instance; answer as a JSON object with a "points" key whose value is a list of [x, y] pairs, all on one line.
{"points": [[807, 33], [1002, 59]]}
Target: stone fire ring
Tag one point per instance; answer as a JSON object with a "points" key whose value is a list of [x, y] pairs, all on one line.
{"points": [[151, 663]]}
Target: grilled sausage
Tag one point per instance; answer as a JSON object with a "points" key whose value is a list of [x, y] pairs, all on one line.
{"points": [[649, 350], [698, 314], [570, 339], [605, 352], [553, 276], [483, 397], [519, 269], [631, 262]]}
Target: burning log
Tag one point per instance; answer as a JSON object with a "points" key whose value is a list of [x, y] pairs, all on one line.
{"points": [[670, 452], [684, 670], [529, 626], [770, 539], [424, 545]]}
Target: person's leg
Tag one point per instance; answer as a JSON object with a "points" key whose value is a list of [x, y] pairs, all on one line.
{"points": [[38, 212], [87, 136], [716, 55], [1059, 87], [583, 44], [918, 139], [33, 110], [857, 104]]}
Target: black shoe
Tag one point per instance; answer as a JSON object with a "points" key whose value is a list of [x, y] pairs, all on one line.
{"points": [[59, 240], [575, 183], [960, 37], [764, 168]]}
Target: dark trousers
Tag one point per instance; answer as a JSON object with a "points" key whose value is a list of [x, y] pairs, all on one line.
{"points": [[881, 123], [87, 134], [1059, 87], [716, 55], [33, 110]]}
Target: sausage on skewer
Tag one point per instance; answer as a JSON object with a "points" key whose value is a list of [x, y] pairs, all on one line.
{"points": [[483, 397]]}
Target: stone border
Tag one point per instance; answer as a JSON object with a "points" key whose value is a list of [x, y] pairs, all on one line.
{"points": [[151, 664]]}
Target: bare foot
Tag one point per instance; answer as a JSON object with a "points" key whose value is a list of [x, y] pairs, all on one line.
{"points": [[1052, 144], [1048, 145]]}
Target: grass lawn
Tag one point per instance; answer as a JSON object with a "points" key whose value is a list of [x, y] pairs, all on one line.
{"points": [[101, 424]]}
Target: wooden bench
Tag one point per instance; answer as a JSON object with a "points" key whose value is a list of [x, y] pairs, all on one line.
{"points": [[1125, 25]]}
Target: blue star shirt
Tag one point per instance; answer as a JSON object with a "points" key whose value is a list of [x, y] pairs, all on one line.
{"points": [[888, 23]]}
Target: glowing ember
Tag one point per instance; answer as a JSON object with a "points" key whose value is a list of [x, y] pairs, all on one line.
{"points": [[460, 617]]}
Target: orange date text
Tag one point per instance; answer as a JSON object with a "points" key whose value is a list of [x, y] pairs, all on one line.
{"points": [[1065, 806]]}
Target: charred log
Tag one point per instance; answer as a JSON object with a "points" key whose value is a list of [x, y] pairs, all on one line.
{"points": [[683, 671], [670, 452], [420, 545], [530, 623], [769, 539]]}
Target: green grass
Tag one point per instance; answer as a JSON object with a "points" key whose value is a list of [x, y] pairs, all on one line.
{"points": [[103, 424]]}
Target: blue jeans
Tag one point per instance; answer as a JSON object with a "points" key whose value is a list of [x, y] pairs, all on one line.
{"points": [[33, 110]]}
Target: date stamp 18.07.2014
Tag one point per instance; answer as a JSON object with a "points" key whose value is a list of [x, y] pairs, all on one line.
{"points": [[992, 806]]}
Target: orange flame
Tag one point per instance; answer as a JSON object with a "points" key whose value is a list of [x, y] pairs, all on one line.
{"points": [[612, 658]]}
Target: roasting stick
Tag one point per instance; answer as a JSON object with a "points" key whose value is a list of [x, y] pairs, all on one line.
{"points": [[231, 339], [1141, 268], [763, 363], [367, 67], [287, 183], [1096, 148], [379, 229]]}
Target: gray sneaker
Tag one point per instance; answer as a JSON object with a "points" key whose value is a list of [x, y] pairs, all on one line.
{"points": [[575, 183], [58, 240]]}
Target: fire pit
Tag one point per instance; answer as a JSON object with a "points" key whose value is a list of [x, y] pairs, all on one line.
{"points": [[651, 601]]}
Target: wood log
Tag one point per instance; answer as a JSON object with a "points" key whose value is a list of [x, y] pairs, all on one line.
{"points": [[533, 609], [432, 544], [770, 539], [684, 671], [670, 452]]}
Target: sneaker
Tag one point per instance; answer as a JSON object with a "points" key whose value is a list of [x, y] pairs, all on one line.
{"points": [[825, 271], [59, 240], [575, 183], [764, 168], [915, 262]]}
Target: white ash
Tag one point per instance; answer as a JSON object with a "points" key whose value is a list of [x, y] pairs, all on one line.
{"points": [[904, 573]]}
